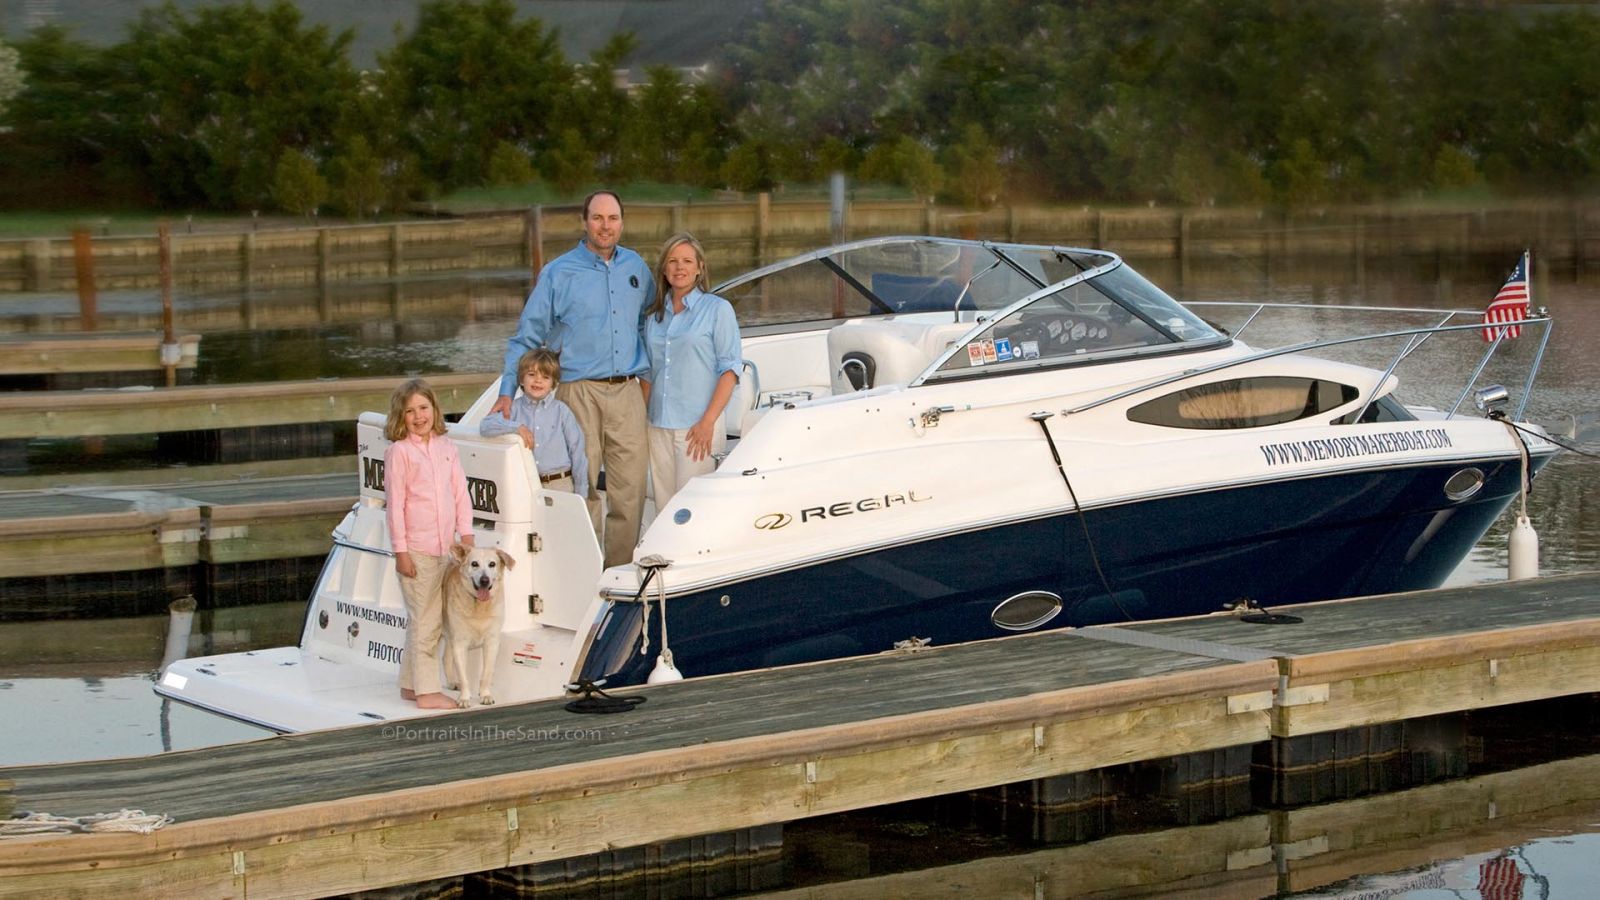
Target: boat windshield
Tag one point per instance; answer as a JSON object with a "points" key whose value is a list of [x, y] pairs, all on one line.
{"points": [[1108, 312], [900, 275]]}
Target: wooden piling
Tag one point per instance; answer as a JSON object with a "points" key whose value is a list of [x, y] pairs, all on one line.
{"points": [[83, 257]]}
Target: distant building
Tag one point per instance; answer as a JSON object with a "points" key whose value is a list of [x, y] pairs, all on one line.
{"points": [[684, 34]]}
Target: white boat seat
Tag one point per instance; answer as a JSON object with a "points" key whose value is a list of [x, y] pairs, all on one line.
{"points": [[868, 353]]}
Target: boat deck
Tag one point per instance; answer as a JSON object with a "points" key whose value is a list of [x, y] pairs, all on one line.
{"points": [[492, 787]]}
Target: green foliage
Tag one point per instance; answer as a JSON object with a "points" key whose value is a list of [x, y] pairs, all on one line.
{"points": [[216, 99], [976, 167], [469, 77], [569, 164], [356, 176], [906, 162], [297, 186], [1274, 101], [509, 166], [1453, 169], [749, 167]]}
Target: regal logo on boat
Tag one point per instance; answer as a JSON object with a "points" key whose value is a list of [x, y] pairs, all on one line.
{"points": [[775, 520]]}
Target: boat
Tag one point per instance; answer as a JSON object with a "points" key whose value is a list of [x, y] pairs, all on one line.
{"points": [[937, 441]]}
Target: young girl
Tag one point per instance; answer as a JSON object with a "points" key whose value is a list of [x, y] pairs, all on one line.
{"points": [[428, 510]]}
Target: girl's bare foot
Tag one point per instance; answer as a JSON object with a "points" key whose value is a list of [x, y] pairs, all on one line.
{"points": [[407, 694], [434, 701]]}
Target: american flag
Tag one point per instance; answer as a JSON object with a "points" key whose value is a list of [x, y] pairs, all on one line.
{"points": [[1499, 879], [1510, 305]]}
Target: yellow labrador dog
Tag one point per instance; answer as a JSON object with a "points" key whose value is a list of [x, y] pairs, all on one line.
{"points": [[474, 601]]}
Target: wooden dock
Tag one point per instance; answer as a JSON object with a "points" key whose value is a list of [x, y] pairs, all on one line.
{"points": [[79, 353], [337, 811], [62, 414], [78, 530]]}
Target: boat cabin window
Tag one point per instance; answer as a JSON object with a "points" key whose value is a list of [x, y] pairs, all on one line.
{"points": [[1116, 310], [1244, 403]]}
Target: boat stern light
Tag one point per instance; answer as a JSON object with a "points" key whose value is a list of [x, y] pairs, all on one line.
{"points": [[1490, 397]]}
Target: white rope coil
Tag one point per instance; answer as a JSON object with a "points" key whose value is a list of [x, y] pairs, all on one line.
{"points": [[31, 823]]}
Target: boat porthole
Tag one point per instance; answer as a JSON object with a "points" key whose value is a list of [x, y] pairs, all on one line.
{"points": [[681, 516], [1026, 610], [1464, 484], [322, 619], [725, 600]]}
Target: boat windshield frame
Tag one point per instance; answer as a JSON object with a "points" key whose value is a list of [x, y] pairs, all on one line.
{"points": [[989, 255], [1207, 338]]}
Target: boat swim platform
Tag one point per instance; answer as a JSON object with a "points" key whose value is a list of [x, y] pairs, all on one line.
{"points": [[397, 803], [26, 415]]}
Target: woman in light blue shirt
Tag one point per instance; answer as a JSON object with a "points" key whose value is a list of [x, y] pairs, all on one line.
{"points": [[692, 338]]}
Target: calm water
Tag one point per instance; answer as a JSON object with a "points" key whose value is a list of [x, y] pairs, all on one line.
{"points": [[83, 687]]}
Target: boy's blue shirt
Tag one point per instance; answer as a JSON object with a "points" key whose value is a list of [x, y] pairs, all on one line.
{"points": [[557, 439]]}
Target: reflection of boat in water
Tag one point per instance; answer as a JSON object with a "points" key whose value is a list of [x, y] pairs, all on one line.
{"points": [[980, 439]]}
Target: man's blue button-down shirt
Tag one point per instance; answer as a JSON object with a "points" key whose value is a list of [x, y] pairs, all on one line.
{"points": [[689, 351], [587, 311]]}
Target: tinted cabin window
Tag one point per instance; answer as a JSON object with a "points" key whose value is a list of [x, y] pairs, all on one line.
{"points": [[1244, 403]]}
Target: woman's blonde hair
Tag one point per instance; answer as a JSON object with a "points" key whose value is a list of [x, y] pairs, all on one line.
{"points": [[395, 428], [664, 290]]}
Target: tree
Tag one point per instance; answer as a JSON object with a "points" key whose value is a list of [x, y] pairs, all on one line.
{"points": [[356, 172], [468, 77], [976, 165], [219, 97], [674, 131], [569, 165], [749, 167], [906, 162], [509, 166], [297, 186]]}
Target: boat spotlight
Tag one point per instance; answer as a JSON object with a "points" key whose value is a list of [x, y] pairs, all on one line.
{"points": [[1490, 397]]}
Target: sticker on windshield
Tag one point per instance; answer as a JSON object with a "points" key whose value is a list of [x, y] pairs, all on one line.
{"points": [[1030, 350], [1002, 349], [975, 353], [988, 351]]}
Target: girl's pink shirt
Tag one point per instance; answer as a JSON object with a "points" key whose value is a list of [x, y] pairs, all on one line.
{"points": [[426, 495]]}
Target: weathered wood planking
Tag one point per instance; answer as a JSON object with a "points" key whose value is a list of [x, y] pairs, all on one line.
{"points": [[83, 530], [1402, 656], [367, 806], [49, 355], [352, 808], [36, 414], [162, 478]]}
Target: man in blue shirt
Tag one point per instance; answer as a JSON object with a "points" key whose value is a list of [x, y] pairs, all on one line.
{"points": [[587, 306]]}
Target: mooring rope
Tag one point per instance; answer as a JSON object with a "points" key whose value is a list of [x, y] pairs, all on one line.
{"points": [[24, 824]]}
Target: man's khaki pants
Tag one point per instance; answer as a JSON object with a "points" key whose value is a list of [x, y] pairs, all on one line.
{"points": [[612, 419]]}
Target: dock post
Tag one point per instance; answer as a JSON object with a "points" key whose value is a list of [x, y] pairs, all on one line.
{"points": [[171, 353], [535, 233], [83, 257], [180, 622], [36, 258], [763, 222]]}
